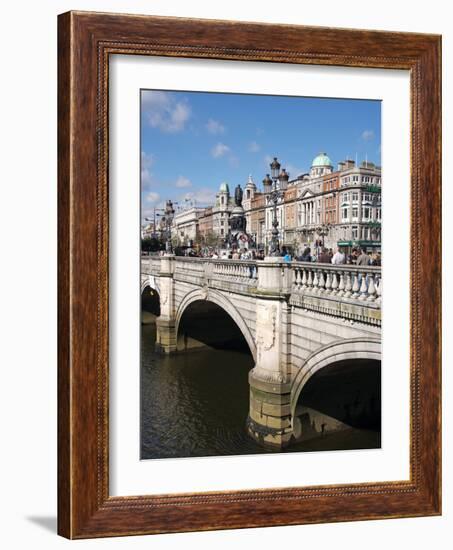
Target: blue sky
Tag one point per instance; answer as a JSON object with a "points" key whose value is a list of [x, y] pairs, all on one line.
{"points": [[193, 141]]}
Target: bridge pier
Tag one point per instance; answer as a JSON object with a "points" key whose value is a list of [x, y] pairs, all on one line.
{"points": [[166, 322], [165, 335], [269, 420]]}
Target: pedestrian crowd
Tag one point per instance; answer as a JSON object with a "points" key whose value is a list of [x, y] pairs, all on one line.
{"points": [[357, 255]]}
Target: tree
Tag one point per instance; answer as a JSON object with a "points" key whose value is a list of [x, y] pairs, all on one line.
{"points": [[209, 239], [151, 244]]}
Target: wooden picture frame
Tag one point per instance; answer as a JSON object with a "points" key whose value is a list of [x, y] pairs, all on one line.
{"points": [[85, 41]]}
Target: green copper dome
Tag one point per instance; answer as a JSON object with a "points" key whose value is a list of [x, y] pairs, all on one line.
{"points": [[321, 160], [224, 187]]}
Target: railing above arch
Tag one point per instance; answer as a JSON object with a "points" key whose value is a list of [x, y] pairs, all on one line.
{"points": [[349, 291]]}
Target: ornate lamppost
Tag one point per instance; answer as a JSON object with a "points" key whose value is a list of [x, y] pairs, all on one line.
{"points": [[323, 231], [275, 193], [167, 218]]}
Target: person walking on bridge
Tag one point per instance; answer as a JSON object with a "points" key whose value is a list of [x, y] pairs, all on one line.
{"points": [[324, 257], [363, 258], [338, 258]]}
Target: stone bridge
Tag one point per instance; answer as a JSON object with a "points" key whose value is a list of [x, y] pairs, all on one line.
{"points": [[297, 318]]}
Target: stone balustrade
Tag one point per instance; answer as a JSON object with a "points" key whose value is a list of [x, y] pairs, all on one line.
{"points": [[350, 282], [205, 270], [309, 285], [243, 271]]}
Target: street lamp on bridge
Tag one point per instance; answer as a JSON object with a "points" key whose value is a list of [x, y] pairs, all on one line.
{"points": [[167, 218], [275, 188], [323, 231]]}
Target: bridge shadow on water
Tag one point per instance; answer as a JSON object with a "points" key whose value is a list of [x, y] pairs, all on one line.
{"points": [[195, 403], [208, 324]]}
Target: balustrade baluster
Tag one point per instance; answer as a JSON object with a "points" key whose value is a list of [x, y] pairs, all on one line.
{"points": [[321, 282], [363, 287], [310, 279], [315, 280], [334, 283], [297, 278], [371, 288], [341, 284], [348, 286], [355, 286], [379, 290], [328, 282], [304, 279]]}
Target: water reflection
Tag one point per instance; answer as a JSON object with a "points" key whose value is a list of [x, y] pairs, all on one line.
{"points": [[196, 404]]}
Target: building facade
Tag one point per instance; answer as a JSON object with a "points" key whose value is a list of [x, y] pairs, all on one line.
{"points": [[185, 225], [324, 207]]}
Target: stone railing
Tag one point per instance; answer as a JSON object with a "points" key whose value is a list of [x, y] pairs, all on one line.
{"points": [[241, 271], [350, 282], [154, 263], [200, 271], [191, 270], [347, 291]]}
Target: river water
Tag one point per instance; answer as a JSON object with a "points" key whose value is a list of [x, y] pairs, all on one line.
{"points": [[196, 404]]}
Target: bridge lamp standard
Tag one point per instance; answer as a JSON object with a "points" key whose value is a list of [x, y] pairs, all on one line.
{"points": [[275, 189], [323, 231], [167, 218]]}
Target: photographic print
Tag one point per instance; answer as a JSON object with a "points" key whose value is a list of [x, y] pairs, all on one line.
{"points": [[260, 270]]}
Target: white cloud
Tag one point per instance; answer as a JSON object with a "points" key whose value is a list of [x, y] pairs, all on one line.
{"points": [[182, 181], [163, 111], [152, 198], [293, 171], [147, 159], [220, 150], [202, 196], [146, 176], [367, 135], [215, 127], [254, 147]]}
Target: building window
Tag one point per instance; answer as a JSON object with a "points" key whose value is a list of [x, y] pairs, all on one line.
{"points": [[355, 233], [355, 212], [355, 178], [355, 197], [345, 197], [345, 213], [366, 213]]}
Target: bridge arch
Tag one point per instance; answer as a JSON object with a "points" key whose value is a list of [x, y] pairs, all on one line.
{"points": [[150, 297], [149, 281], [223, 302], [334, 352]]}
